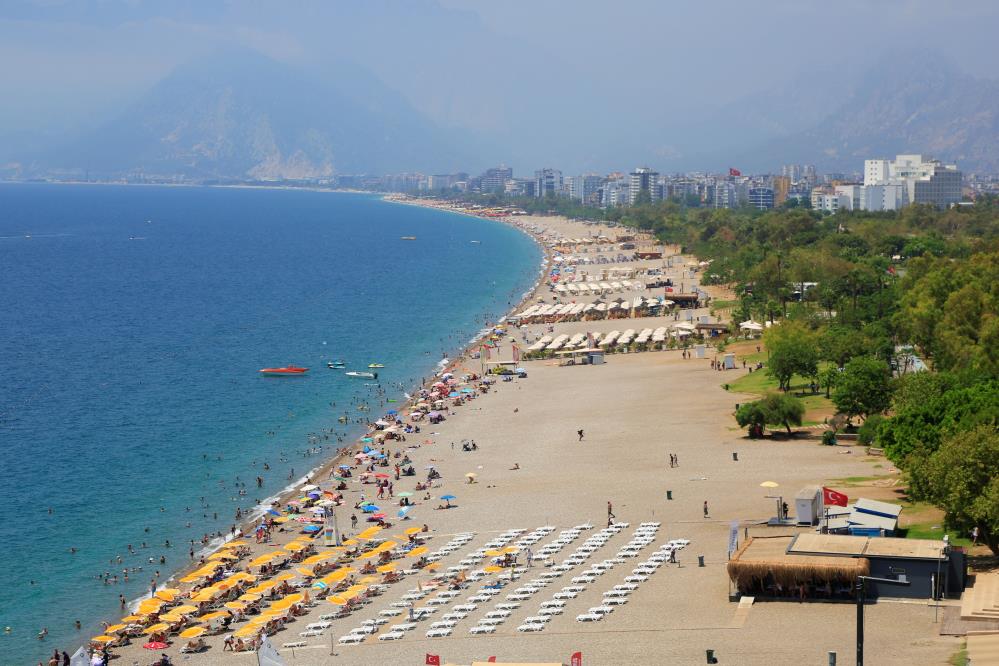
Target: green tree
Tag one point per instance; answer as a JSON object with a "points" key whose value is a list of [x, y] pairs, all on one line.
{"points": [[960, 477], [775, 409], [864, 387], [792, 351], [828, 378]]}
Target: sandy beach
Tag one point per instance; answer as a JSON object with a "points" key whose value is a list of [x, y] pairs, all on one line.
{"points": [[634, 410]]}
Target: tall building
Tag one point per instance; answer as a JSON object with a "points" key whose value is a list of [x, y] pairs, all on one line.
{"points": [[585, 188], [924, 181], [643, 178], [782, 185], [726, 195], [547, 182], [761, 197], [496, 178]]}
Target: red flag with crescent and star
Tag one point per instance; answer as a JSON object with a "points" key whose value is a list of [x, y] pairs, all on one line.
{"points": [[830, 496]]}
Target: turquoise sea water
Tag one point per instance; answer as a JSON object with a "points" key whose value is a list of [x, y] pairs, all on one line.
{"points": [[133, 321]]}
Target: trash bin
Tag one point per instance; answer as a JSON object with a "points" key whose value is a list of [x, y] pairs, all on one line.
{"points": [[711, 657], [735, 456], [700, 560], [669, 494]]}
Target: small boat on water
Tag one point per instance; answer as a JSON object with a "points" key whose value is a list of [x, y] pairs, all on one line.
{"points": [[336, 365], [287, 371], [408, 238], [362, 375], [376, 365], [476, 242]]}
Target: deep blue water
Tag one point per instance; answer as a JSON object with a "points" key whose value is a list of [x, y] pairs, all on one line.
{"points": [[133, 321]]}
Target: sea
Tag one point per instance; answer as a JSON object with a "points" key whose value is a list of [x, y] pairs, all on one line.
{"points": [[133, 323]]}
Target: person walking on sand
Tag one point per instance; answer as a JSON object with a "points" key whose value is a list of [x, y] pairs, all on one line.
{"points": [[610, 514], [580, 433], [705, 508]]}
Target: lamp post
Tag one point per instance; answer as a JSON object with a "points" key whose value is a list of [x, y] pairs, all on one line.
{"points": [[860, 588]]}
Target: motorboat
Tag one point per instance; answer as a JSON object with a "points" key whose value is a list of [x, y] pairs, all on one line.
{"points": [[287, 371], [408, 238], [362, 375], [336, 365], [376, 365]]}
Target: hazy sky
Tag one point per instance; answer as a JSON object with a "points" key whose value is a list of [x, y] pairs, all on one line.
{"points": [[584, 82]]}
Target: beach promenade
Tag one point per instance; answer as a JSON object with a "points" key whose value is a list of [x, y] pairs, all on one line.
{"points": [[532, 469]]}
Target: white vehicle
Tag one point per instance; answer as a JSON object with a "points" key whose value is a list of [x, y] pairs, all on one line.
{"points": [[482, 629], [531, 627], [589, 617], [392, 636]]}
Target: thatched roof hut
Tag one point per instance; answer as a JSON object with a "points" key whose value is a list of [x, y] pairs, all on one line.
{"points": [[763, 559]]}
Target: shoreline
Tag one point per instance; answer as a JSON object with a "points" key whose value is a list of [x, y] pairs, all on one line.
{"points": [[343, 453]]}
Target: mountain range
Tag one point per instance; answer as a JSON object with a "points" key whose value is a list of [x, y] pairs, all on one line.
{"points": [[240, 115]]}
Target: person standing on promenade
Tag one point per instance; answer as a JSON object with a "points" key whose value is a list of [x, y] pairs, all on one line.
{"points": [[705, 508], [580, 433]]}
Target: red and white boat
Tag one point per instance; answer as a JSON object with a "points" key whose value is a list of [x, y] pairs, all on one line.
{"points": [[287, 371]]}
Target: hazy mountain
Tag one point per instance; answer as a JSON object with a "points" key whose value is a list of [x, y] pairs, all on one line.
{"points": [[921, 106], [242, 115]]}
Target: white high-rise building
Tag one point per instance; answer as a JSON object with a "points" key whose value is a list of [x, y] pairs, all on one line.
{"points": [[547, 182], [911, 179], [643, 178]]}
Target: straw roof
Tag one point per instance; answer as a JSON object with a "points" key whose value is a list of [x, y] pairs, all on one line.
{"points": [[761, 558]]}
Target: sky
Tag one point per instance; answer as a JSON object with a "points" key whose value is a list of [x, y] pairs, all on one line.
{"points": [[582, 84]]}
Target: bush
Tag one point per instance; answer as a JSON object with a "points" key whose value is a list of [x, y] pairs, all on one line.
{"points": [[829, 438], [868, 433]]}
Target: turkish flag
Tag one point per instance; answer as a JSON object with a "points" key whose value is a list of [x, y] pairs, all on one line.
{"points": [[576, 659], [433, 660], [734, 172], [830, 496]]}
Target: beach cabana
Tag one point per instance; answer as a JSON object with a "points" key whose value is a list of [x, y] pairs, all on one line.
{"points": [[763, 567]]}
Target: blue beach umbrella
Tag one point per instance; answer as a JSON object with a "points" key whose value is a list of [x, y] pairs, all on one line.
{"points": [[344, 466], [403, 511], [312, 528], [448, 497], [370, 508], [452, 394], [392, 411]]}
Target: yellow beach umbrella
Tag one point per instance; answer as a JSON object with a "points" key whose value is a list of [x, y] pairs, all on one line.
{"points": [[305, 571], [769, 484], [156, 628], [115, 628], [261, 560], [295, 598], [368, 579], [248, 631], [104, 639], [234, 544], [350, 542], [287, 575], [167, 594], [185, 609], [223, 555], [172, 617], [294, 546], [493, 553], [214, 615], [281, 519], [192, 578], [368, 555], [412, 530], [511, 549], [192, 632], [492, 568], [337, 600], [433, 565], [416, 552], [249, 597], [370, 532], [385, 568], [206, 594], [133, 618], [236, 605]]}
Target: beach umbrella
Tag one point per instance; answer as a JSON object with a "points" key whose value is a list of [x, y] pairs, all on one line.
{"points": [[381, 475], [492, 568], [418, 551], [183, 610], [430, 467], [309, 487], [249, 597], [385, 568], [412, 530], [167, 594], [471, 475], [378, 515], [133, 618], [235, 605], [155, 645], [115, 628], [391, 411], [103, 639], [156, 628], [311, 528], [368, 579], [247, 631], [448, 497], [337, 600], [493, 553], [405, 493], [769, 484], [192, 632], [403, 511], [369, 508]]}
